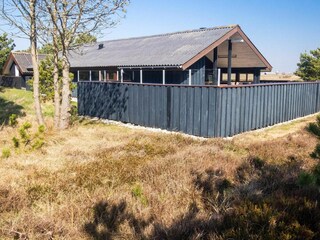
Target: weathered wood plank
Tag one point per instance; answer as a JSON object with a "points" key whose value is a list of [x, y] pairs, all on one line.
{"points": [[183, 110], [212, 111], [197, 111], [190, 107], [204, 113]]}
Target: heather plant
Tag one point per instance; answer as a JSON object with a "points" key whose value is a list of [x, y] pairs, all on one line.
{"points": [[315, 127], [312, 178]]}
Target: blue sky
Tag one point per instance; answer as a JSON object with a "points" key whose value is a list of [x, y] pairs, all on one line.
{"points": [[280, 29]]}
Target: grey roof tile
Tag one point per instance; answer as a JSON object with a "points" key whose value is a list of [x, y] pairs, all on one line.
{"points": [[24, 61], [173, 49]]}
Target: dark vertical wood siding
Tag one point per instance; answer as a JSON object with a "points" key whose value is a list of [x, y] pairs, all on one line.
{"points": [[198, 72], [205, 111]]}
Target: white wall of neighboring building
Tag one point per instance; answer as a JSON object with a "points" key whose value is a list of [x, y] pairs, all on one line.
{"points": [[16, 70]]}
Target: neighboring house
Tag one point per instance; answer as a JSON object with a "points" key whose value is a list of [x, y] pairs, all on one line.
{"points": [[18, 65], [196, 57]]}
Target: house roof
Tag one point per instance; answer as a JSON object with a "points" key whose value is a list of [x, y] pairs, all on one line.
{"points": [[22, 60], [178, 49]]}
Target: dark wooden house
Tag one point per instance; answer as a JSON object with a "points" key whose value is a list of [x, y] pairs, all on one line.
{"points": [[19, 64], [196, 57]]}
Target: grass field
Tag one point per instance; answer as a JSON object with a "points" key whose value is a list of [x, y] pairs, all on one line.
{"points": [[100, 181], [283, 76]]}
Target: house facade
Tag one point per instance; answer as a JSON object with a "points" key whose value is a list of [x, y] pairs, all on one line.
{"points": [[18, 65], [218, 55]]}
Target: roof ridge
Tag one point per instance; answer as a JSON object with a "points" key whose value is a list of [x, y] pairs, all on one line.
{"points": [[173, 33], [14, 52]]}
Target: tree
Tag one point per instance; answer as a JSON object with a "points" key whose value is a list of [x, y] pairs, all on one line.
{"points": [[67, 21], [84, 38], [23, 16], [46, 77], [50, 70], [71, 20], [309, 66], [48, 48], [6, 46]]}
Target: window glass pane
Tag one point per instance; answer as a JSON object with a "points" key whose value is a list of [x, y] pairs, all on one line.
{"points": [[111, 76], [84, 76], [95, 75]]}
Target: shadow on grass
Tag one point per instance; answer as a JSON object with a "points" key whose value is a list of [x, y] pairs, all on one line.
{"points": [[7, 108], [263, 202], [108, 219]]}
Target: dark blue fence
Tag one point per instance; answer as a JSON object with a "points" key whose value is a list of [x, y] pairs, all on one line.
{"points": [[12, 82], [206, 111]]}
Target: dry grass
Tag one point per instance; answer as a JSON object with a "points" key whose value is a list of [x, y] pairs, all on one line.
{"points": [[267, 76], [110, 182], [282, 76]]}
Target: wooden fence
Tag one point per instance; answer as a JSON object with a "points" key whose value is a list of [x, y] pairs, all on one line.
{"points": [[12, 82], [205, 111]]}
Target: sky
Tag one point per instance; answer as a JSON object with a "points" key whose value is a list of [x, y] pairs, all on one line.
{"points": [[280, 29]]}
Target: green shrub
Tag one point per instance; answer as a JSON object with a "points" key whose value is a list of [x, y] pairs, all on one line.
{"points": [[316, 152], [316, 175], [6, 153], [74, 113], [24, 133], [305, 179], [41, 129], [30, 141], [138, 193], [37, 144], [16, 142], [315, 127], [13, 120], [310, 179]]}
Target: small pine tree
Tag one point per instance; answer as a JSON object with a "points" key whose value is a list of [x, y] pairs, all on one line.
{"points": [[6, 153], [13, 120], [46, 78]]}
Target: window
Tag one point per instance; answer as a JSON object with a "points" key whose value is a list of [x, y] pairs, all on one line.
{"points": [[94, 75], [111, 76], [103, 75], [84, 76]]}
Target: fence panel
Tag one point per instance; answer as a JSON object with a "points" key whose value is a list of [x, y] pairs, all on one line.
{"points": [[206, 111], [12, 82]]}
